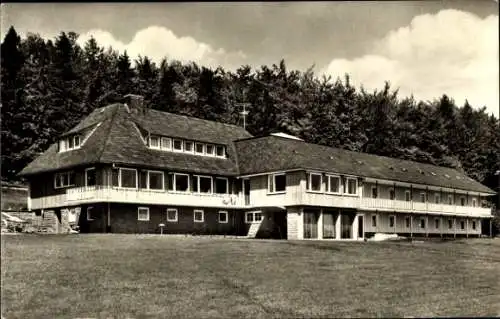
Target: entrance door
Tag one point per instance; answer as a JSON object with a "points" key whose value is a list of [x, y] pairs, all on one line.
{"points": [[311, 224], [346, 225], [329, 220], [246, 191], [360, 226]]}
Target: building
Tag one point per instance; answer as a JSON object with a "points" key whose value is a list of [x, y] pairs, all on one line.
{"points": [[127, 169]]}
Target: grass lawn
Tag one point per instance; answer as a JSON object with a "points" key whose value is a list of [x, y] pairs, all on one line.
{"points": [[124, 276]]}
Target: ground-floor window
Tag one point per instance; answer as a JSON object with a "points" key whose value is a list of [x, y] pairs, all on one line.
{"points": [[172, 215], [422, 222], [199, 216], [374, 220], [90, 213], [253, 217], [392, 220], [474, 225], [462, 225], [223, 217], [407, 222], [436, 223], [143, 213], [450, 224], [329, 220]]}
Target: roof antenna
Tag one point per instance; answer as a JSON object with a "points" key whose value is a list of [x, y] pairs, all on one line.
{"points": [[244, 113]]}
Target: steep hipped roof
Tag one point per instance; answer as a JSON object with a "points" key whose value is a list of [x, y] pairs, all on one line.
{"points": [[116, 140], [273, 153]]}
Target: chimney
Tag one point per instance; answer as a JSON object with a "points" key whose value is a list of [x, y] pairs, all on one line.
{"points": [[134, 102]]}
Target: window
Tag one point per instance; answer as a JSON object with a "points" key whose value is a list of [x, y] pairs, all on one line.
{"points": [[143, 213], [166, 143], [188, 146], [473, 202], [172, 215], [436, 223], [90, 177], [392, 194], [202, 184], [128, 177], [462, 225], [199, 216], [392, 221], [422, 222], [200, 148], [374, 220], [333, 184], [450, 224], [69, 143], [223, 217], [437, 198], [181, 182], [462, 201], [474, 225], [221, 185], [154, 142], [77, 141], [90, 213], [277, 183], [352, 186], [178, 145], [450, 199], [422, 197], [219, 151], [253, 217], [65, 179], [210, 149], [155, 180], [407, 222], [314, 182], [374, 192], [407, 196]]}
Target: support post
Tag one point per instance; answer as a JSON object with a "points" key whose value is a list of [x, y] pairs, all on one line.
{"points": [[411, 226], [440, 224], [467, 227], [454, 226], [426, 224], [108, 230]]}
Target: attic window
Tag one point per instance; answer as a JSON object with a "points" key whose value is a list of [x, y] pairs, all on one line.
{"points": [[69, 143]]}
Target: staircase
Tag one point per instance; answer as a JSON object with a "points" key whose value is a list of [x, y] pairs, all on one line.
{"points": [[49, 223]]}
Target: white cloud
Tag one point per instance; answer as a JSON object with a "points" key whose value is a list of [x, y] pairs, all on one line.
{"points": [[451, 52], [159, 42]]}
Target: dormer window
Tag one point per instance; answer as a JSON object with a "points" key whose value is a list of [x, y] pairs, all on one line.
{"points": [[200, 148], [219, 150], [154, 142], [69, 143], [210, 149], [188, 146], [164, 143], [178, 145]]}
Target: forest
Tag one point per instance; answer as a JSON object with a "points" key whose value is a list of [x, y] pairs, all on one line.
{"points": [[49, 85]]}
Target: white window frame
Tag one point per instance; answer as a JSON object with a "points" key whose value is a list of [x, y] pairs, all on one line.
{"points": [[425, 198], [465, 202], [175, 183], [473, 225], [227, 185], [162, 181], [376, 220], [437, 222], [174, 220], [57, 176], [173, 145], [203, 147], [273, 177], [185, 149], [86, 178], [376, 189], [474, 202], [423, 219], [394, 217], [213, 150], [163, 140], [253, 221], [408, 218], [64, 143], [462, 222], [224, 212], [120, 169], [159, 142], [139, 216], [198, 184], [409, 196], [309, 179], [223, 151], [355, 188], [329, 179], [450, 225], [90, 208], [202, 215]]}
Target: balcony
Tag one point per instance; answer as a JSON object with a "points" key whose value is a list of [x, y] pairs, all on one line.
{"points": [[83, 195]]}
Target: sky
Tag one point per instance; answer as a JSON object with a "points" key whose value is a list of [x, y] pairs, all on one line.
{"points": [[424, 48]]}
